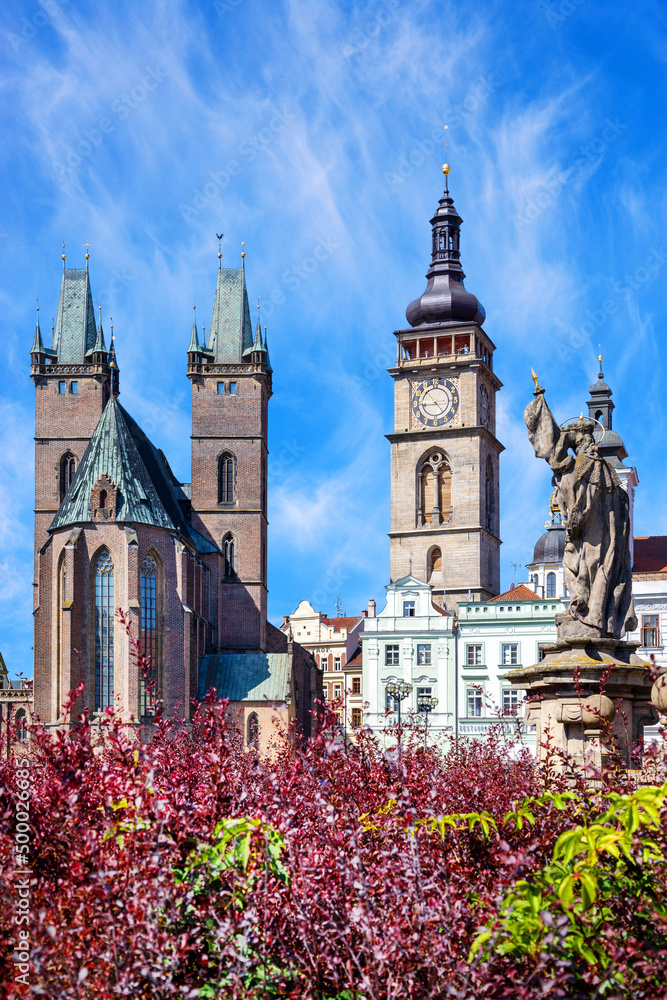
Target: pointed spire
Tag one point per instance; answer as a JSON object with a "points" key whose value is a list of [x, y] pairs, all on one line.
{"points": [[265, 347], [112, 350], [194, 337], [100, 346], [38, 343], [445, 299]]}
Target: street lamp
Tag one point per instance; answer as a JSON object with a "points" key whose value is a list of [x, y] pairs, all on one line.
{"points": [[399, 691], [426, 703]]}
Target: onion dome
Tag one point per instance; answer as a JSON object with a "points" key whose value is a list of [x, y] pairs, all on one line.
{"points": [[550, 547], [446, 300]]}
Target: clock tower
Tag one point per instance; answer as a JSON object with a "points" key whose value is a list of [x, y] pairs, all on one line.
{"points": [[444, 450]]}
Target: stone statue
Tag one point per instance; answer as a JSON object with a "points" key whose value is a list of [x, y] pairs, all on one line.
{"points": [[596, 514]]}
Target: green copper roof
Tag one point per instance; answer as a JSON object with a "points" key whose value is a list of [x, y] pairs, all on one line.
{"points": [[230, 332], [75, 332], [245, 676], [147, 490]]}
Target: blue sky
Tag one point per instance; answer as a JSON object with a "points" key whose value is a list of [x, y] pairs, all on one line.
{"points": [[147, 128]]}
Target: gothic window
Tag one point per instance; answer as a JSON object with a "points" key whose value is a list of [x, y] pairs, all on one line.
{"points": [[60, 597], [434, 490], [104, 617], [21, 725], [228, 553], [490, 497], [253, 730], [226, 478], [67, 470], [434, 563], [551, 584], [149, 649]]}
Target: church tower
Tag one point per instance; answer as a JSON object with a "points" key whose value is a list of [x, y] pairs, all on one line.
{"points": [[444, 450], [231, 374]]}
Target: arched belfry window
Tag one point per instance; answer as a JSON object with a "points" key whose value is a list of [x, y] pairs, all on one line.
{"points": [[435, 566], [228, 553], [67, 470], [149, 634], [104, 618], [252, 737], [434, 490], [226, 478], [490, 492]]}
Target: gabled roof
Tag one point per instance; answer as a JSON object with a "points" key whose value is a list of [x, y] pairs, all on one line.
{"points": [[518, 593], [230, 331], [246, 676], [75, 332], [339, 623], [650, 554], [147, 490], [408, 581], [355, 660]]}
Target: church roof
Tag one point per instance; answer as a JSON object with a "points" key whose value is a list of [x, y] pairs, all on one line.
{"points": [[75, 332], [230, 331], [147, 490], [650, 554], [550, 547], [518, 593], [245, 676]]}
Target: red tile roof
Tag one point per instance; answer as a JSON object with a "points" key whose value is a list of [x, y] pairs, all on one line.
{"points": [[650, 554], [518, 593], [355, 659], [441, 610], [339, 623]]}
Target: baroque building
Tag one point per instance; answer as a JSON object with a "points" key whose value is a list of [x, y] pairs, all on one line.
{"points": [[445, 519], [114, 527]]}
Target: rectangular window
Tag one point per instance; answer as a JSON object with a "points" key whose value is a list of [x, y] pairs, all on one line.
{"points": [[474, 703], [336, 662], [74, 387], [510, 654], [62, 388], [389, 702], [232, 388], [408, 609], [473, 656], [356, 718], [422, 691], [221, 388], [337, 690], [650, 631], [423, 655], [391, 656], [511, 701], [356, 685]]}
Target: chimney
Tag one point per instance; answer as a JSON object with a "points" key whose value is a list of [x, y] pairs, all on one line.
{"points": [[371, 609], [364, 613], [285, 621]]}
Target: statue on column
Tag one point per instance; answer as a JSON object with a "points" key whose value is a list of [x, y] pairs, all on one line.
{"points": [[595, 508]]}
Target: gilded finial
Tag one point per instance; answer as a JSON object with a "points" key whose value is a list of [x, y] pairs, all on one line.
{"points": [[87, 245], [538, 388], [581, 416], [445, 166], [63, 255], [219, 238]]}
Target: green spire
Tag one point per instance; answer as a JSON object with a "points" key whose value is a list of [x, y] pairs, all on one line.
{"points": [[99, 346], [38, 343], [194, 347]]}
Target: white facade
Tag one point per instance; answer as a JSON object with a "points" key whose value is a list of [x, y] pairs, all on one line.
{"points": [[495, 637], [410, 640]]}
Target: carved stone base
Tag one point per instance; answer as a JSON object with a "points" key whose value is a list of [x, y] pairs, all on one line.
{"points": [[569, 722]]}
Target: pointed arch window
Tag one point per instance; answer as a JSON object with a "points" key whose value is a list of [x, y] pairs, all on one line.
{"points": [[226, 478], [67, 470], [434, 490], [228, 553], [490, 497], [149, 636], [435, 565], [253, 730], [104, 618], [21, 725]]}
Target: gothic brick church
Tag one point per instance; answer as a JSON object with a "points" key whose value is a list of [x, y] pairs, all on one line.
{"points": [[114, 528]]}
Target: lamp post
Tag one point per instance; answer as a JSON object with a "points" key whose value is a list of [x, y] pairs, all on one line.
{"points": [[426, 703], [399, 691]]}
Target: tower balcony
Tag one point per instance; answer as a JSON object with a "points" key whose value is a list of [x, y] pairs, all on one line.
{"points": [[417, 350]]}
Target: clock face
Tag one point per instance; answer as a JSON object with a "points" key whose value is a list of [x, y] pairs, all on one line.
{"points": [[435, 401], [484, 405]]}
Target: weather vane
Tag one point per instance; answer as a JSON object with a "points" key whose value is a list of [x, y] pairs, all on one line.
{"points": [[242, 251], [445, 166], [219, 238]]}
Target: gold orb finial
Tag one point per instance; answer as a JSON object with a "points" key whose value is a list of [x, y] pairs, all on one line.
{"points": [[63, 253], [446, 168]]}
